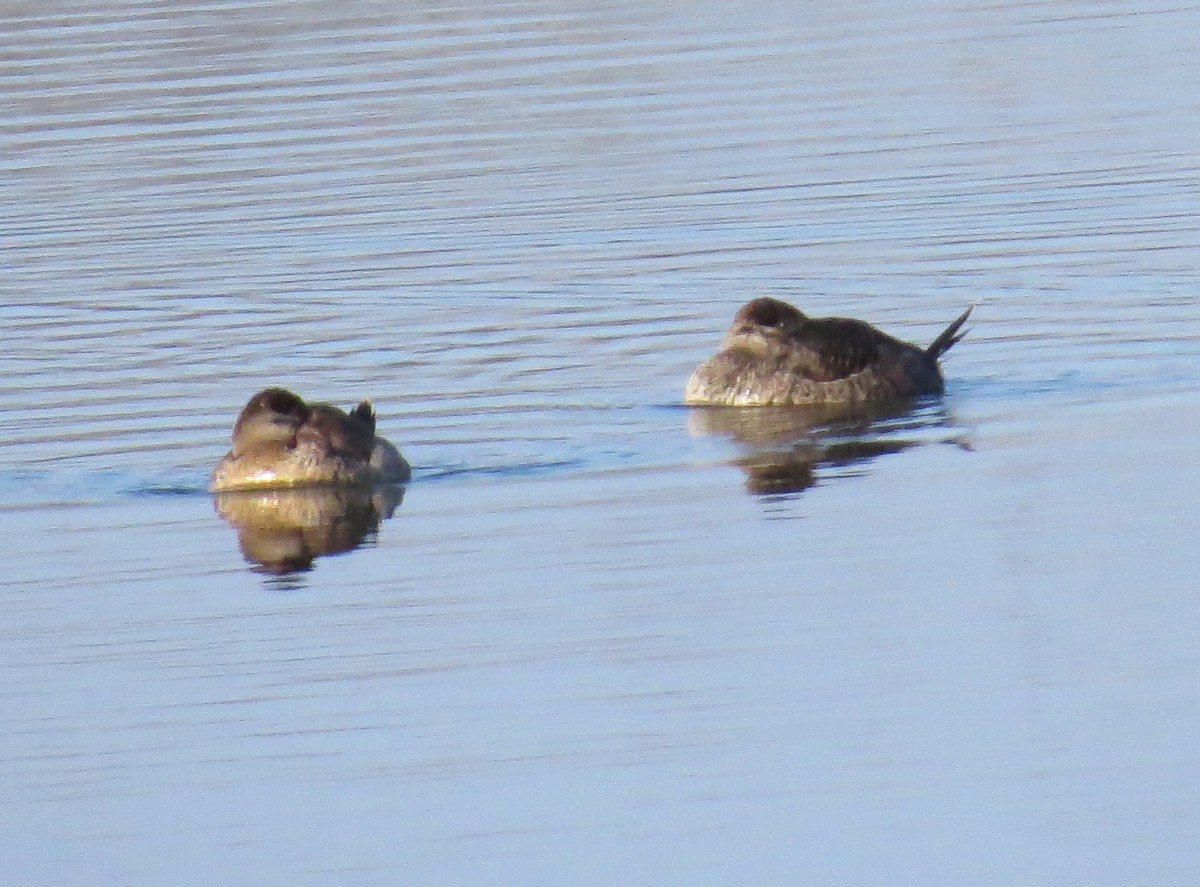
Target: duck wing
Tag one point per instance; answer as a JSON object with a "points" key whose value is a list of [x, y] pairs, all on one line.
{"points": [[337, 433], [830, 348]]}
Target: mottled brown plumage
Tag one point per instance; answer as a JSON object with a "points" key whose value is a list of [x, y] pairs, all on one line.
{"points": [[279, 441], [774, 355]]}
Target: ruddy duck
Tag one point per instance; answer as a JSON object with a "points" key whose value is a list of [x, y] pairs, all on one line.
{"points": [[774, 355], [279, 441]]}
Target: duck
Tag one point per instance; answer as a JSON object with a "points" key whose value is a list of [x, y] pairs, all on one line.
{"points": [[775, 355], [282, 442]]}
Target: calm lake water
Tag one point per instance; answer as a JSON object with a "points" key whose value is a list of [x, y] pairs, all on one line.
{"points": [[602, 639]]}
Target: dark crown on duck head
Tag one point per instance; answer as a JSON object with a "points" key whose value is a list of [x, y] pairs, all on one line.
{"points": [[767, 312], [277, 400]]}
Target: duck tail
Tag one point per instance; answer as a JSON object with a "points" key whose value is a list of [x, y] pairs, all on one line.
{"points": [[365, 413], [949, 336]]}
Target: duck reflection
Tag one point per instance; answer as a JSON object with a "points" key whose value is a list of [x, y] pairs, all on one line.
{"points": [[282, 532], [788, 444]]}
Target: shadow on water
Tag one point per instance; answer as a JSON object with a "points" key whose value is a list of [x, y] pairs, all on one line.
{"points": [[282, 532], [788, 445]]}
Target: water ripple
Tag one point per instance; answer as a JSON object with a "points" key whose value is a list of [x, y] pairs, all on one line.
{"points": [[490, 222]]}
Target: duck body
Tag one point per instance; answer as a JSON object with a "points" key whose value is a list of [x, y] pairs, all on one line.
{"points": [[774, 355], [281, 442]]}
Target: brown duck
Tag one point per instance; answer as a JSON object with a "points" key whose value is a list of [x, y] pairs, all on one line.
{"points": [[279, 441], [774, 355]]}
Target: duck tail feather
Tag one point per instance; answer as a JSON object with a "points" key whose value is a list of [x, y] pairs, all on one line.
{"points": [[949, 336]]}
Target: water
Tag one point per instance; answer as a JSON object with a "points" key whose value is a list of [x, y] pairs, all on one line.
{"points": [[602, 638]]}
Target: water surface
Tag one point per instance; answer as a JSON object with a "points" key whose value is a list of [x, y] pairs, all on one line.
{"points": [[602, 638]]}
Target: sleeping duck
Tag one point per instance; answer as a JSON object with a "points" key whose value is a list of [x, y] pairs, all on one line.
{"points": [[279, 442], [774, 355]]}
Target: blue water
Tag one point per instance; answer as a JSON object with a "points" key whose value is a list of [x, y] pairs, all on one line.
{"points": [[602, 638]]}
